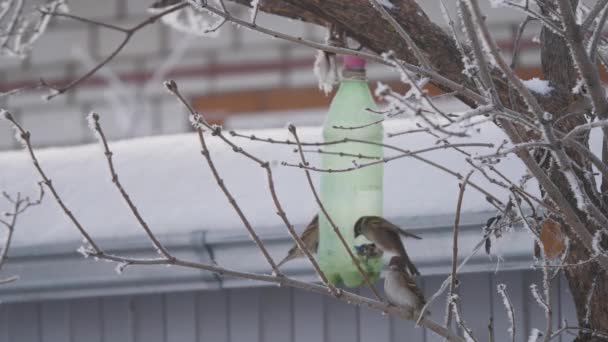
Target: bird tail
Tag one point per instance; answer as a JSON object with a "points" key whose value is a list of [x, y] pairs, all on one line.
{"points": [[286, 259]]}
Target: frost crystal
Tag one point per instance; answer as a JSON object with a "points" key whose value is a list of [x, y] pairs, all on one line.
{"points": [[191, 20], [596, 243], [578, 87], [83, 251], [381, 89], [497, 3], [534, 335], [502, 290], [538, 298], [386, 3], [538, 86], [120, 267], [254, 9]]}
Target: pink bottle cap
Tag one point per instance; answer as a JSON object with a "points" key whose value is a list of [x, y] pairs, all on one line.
{"points": [[354, 62]]}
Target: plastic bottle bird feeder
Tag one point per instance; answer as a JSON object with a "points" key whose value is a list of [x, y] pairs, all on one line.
{"points": [[350, 195]]}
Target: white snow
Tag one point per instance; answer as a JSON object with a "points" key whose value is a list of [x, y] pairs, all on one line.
{"points": [[174, 190], [538, 86], [386, 3]]}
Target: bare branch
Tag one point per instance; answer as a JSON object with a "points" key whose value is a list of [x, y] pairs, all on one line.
{"points": [[96, 127], [198, 121], [424, 62], [20, 205], [25, 139], [493, 199], [462, 186], [388, 159], [172, 87], [129, 32], [502, 291], [597, 8]]}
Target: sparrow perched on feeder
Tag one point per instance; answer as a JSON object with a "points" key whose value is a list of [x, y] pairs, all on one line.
{"points": [[401, 289], [310, 237], [386, 236]]}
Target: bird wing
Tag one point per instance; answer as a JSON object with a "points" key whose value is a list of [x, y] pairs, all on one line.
{"points": [[310, 237], [406, 258], [402, 231], [411, 284]]}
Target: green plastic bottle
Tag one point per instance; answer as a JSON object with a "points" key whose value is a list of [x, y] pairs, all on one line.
{"points": [[350, 195]]}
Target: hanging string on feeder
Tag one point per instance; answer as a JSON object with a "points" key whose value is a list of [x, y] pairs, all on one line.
{"points": [[326, 67]]}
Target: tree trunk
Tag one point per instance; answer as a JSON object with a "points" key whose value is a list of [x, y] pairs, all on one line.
{"points": [[360, 21]]}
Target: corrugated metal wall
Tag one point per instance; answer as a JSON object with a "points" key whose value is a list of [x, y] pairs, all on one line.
{"points": [[272, 314]]}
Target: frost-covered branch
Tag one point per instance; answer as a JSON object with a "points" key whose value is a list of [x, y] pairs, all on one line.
{"points": [[473, 16], [9, 221], [128, 32], [24, 138], [450, 303], [386, 159], [93, 250], [502, 291], [96, 128], [493, 199], [217, 131]]}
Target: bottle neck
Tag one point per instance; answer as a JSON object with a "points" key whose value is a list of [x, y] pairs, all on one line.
{"points": [[353, 74]]}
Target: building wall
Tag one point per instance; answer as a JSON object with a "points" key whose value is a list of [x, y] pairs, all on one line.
{"points": [[272, 314]]}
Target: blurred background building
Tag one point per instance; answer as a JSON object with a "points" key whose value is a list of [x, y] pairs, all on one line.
{"points": [[240, 78]]}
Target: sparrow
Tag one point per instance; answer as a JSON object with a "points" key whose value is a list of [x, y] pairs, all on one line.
{"points": [[400, 288], [310, 237], [386, 236]]}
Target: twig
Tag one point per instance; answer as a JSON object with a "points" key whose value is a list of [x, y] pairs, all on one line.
{"points": [[198, 122], [424, 62], [25, 139], [361, 126], [595, 38], [597, 8], [341, 154], [440, 79], [494, 200], [565, 165], [548, 302], [172, 87], [460, 320], [20, 205], [462, 186], [387, 159], [502, 290], [96, 127], [94, 251], [129, 32], [292, 130]]}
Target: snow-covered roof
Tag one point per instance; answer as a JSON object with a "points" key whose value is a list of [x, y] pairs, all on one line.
{"points": [[172, 186]]}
